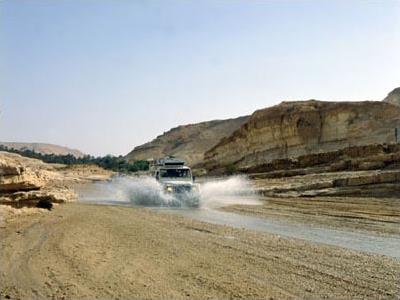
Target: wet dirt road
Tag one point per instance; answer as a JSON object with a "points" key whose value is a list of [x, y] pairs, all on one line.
{"points": [[370, 243], [368, 225], [82, 251]]}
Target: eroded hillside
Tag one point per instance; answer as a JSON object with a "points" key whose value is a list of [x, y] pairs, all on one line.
{"points": [[188, 142], [393, 97]]}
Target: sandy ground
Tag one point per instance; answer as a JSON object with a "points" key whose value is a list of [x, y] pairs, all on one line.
{"points": [[81, 251], [369, 215]]}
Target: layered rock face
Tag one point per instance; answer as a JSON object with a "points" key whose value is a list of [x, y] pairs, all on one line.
{"points": [[188, 142], [14, 177], [372, 183], [357, 158], [372, 170], [293, 129], [25, 181], [393, 97]]}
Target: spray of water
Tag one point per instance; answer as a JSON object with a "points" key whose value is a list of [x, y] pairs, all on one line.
{"points": [[147, 191], [126, 191], [227, 191]]}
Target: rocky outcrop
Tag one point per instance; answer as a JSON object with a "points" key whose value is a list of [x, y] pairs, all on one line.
{"points": [[301, 128], [24, 182], [370, 171], [188, 142], [15, 177], [43, 148], [357, 158], [377, 183], [393, 97]]}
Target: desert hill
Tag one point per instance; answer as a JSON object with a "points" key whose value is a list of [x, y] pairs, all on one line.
{"points": [[393, 97], [188, 142], [43, 148], [282, 132]]}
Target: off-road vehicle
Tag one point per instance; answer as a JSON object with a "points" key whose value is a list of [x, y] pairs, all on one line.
{"points": [[177, 181]]}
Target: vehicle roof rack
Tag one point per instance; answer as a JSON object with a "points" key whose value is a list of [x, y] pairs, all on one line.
{"points": [[169, 161]]}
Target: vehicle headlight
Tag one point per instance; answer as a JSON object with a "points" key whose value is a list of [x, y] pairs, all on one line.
{"points": [[169, 189]]}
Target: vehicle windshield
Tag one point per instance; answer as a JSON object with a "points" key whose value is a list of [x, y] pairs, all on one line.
{"points": [[179, 173]]}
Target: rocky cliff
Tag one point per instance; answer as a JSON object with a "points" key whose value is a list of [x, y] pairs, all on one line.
{"points": [[43, 148], [393, 97], [188, 142], [293, 129]]}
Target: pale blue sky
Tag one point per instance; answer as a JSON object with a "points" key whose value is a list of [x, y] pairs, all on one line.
{"points": [[105, 76]]}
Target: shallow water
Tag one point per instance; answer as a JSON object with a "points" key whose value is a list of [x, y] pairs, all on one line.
{"points": [[235, 190], [388, 246]]}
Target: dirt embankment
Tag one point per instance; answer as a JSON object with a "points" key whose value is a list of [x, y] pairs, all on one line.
{"points": [[88, 251]]}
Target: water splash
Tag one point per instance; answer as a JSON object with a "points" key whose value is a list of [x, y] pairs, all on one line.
{"points": [[228, 191], [146, 191]]}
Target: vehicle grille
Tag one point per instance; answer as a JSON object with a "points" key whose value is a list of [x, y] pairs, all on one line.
{"points": [[182, 189]]}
